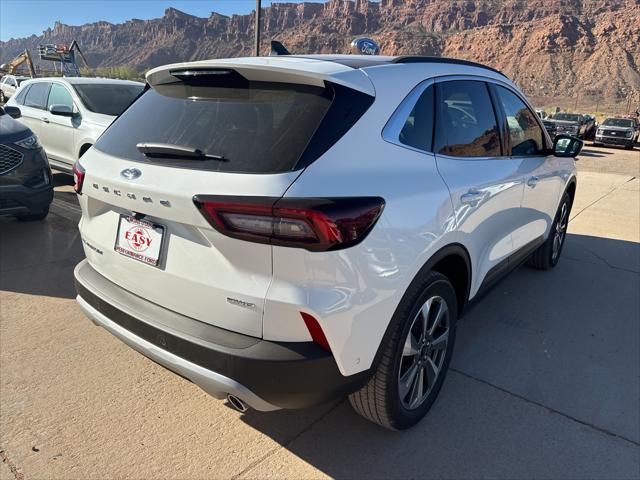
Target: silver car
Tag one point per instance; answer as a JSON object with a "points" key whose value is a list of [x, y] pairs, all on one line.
{"points": [[69, 114]]}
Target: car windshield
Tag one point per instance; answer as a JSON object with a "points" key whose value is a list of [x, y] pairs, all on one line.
{"points": [[618, 122], [107, 98], [570, 117]]}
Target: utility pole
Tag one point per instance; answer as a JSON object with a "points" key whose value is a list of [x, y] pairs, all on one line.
{"points": [[257, 29]]}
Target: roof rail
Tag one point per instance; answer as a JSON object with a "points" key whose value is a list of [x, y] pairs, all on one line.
{"points": [[455, 61]]}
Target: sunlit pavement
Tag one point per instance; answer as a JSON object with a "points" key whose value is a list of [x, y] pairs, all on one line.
{"points": [[545, 380]]}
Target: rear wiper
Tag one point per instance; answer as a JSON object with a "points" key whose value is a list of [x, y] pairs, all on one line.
{"points": [[164, 150]]}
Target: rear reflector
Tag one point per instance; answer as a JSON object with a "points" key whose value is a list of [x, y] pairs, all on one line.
{"points": [[315, 330], [78, 177], [316, 224]]}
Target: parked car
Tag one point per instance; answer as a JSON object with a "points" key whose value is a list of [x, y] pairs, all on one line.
{"points": [[286, 231], [8, 86], [574, 124], [551, 128], [622, 132], [25, 176], [69, 114]]}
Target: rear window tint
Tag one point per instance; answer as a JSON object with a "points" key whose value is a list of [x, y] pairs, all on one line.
{"points": [[107, 98], [466, 125], [37, 95], [263, 128]]}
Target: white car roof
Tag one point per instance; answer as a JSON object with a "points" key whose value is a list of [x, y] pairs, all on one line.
{"points": [[85, 80], [348, 70]]}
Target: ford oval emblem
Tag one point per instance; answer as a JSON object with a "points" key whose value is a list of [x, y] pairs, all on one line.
{"points": [[130, 173], [365, 46]]}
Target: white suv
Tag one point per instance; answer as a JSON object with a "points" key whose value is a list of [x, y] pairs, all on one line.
{"points": [[69, 114], [284, 231]]}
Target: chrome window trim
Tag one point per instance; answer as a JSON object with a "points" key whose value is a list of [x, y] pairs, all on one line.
{"points": [[395, 124], [391, 131]]}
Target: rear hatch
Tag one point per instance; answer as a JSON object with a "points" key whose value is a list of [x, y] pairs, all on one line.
{"points": [[247, 136]]}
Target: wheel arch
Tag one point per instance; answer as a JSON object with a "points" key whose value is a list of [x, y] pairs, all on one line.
{"points": [[454, 262]]}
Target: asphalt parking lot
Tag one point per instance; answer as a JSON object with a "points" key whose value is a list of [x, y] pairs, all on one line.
{"points": [[545, 381]]}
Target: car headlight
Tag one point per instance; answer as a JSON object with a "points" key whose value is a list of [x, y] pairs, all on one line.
{"points": [[30, 143], [629, 134]]}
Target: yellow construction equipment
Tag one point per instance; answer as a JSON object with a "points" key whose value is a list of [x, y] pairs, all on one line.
{"points": [[12, 67]]}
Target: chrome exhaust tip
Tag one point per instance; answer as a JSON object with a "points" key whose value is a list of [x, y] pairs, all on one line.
{"points": [[236, 403]]}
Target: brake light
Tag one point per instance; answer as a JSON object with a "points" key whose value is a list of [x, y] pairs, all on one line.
{"points": [[78, 177], [315, 330], [316, 224]]}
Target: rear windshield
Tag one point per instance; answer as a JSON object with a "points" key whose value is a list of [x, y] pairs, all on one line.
{"points": [[570, 117], [107, 98], [261, 128], [618, 122]]}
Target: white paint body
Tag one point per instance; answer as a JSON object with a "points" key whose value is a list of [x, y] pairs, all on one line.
{"points": [[352, 292]]}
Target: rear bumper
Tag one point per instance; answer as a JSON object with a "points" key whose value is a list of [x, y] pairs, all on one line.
{"points": [[266, 375]]}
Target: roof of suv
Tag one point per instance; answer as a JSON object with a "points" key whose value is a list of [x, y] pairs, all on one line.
{"points": [[83, 80], [312, 69], [363, 61]]}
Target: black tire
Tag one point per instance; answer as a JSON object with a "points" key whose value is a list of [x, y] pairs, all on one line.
{"points": [[380, 399], [544, 257], [31, 217], [629, 147], [3, 99]]}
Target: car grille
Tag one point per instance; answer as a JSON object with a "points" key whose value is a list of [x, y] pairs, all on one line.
{"points": [[615, 133], [9, 159]]}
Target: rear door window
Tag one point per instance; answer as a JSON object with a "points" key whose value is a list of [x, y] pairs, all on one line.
{"points": [[466, 124], [525, 134], [262, 127], [37, 95]]}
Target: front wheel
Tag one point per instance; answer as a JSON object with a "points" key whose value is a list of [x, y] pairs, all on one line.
{"points": [[548, 254], [415, 359]]}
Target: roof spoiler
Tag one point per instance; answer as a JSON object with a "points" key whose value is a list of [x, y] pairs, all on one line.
{"points": [[278, 49]]}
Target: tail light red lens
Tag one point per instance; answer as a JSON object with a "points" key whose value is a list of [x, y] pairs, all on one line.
{"points": [[317, 224], [78, 177], [315, 330]]}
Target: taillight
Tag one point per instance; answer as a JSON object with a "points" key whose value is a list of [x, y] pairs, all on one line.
{"points": [[315, 330], [78, 177], [317, 224]]}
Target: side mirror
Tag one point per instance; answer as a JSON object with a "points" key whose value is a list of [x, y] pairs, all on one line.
{"points": [[61, 110], [13, 112], [567, 146]]}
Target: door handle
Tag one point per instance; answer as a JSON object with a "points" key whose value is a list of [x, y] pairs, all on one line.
{"points": [[471, 197], [533, 181], [45, 119]]}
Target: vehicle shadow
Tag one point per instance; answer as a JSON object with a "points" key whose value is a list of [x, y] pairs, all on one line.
{"points": [[37, 258], [539, 351], [585, 152]]}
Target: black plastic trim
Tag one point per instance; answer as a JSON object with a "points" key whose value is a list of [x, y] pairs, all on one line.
{"points": [[506, 266], [285, 374], [446, 60]]}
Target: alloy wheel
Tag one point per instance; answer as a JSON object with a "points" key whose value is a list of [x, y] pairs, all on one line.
{"points": [[424, 352], [560, 231]]}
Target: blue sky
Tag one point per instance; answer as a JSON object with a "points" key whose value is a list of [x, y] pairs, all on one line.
{"points": [[21, 18]]}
